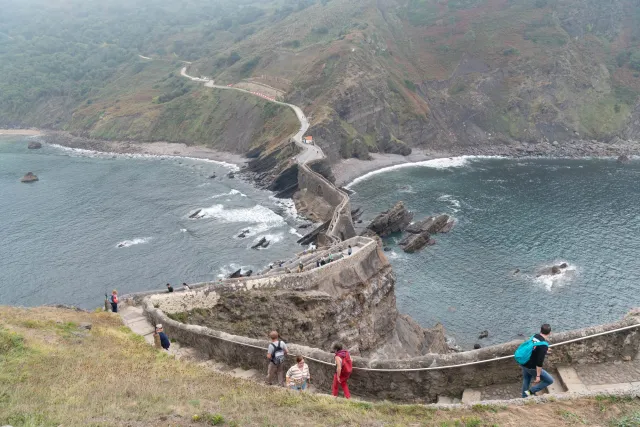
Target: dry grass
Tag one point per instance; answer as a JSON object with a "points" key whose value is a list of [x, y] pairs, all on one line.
{"points": [[53, 373]]}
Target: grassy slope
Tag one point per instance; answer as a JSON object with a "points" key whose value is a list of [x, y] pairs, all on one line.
{"points": [[53, 373], [127, 108]]}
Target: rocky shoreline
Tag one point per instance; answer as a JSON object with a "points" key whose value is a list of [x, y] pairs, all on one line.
{"points": [[347, 170], [147, 148]]}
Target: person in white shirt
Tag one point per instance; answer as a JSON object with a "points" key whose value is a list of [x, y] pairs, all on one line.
{"points": [[298, 375]]}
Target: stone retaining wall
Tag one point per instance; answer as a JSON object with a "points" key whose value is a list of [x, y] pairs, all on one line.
{"points": [[330, 202], [336, 277], [421, 386]]}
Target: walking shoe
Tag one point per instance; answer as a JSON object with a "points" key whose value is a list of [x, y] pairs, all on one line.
{"points": [[528, 393]]}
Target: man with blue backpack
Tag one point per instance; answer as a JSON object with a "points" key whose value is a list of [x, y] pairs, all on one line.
{"points": [[530, 355]]}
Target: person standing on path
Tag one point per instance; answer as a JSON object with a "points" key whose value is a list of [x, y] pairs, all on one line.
{"points": [[538, 346], [164, 340], [276, 353], [344, 367], [114, 301], [298, 375]]}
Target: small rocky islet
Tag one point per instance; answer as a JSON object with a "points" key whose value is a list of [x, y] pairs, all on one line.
{"points": [[29, 177]]}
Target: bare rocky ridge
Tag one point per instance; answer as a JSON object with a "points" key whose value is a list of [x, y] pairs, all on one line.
{"points": [[351, 300]]}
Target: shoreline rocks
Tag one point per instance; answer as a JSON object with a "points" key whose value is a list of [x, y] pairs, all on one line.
{"points": [[29, 177], [392, 221], [414, 242], [262, 244], [34, 145], [420, 232], [554, 270], [195, 214]]}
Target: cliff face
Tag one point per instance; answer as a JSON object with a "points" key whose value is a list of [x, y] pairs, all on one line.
{"points": [[352, 302]]}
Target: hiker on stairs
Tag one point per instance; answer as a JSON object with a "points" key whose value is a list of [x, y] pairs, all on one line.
{"points": [[530, 355], [276, 354]]}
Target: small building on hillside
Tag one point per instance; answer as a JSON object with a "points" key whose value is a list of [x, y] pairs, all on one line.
{"points": [[308, 140]]}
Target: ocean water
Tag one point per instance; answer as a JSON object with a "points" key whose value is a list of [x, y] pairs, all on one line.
{"points": [[515, 214], [97, 222]]}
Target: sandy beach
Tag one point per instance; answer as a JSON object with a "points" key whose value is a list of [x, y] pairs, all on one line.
{"points": [[349, 169], [24, 132], [151, 148]]}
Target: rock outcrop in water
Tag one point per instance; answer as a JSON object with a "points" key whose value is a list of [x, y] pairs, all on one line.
{"points": [[262, 243], [29, 177], [392, 221], [432, 225], [414, 242], [195, 214], [34, 145], [421, 231], [554, 270]]}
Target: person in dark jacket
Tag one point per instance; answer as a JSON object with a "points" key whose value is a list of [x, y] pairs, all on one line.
{"points": [[169, 288], [533, 368], [114, 301], [164, 340]]}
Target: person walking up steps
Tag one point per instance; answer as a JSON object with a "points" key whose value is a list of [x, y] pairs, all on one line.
{"points": [[114, 301], [276, 353], [298, 375], [530, 355], [344, 367]]}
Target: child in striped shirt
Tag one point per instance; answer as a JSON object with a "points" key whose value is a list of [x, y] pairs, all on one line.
{"points": [[298, 375]]}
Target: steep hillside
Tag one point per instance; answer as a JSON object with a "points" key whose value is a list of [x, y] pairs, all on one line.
{"points": [[453, 74], [374, 75]]}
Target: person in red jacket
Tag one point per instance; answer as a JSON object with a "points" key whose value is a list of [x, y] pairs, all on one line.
{"points": [[344, 366]]}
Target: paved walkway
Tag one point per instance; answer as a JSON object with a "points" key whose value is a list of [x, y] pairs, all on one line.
{"points": [[604, 377]]}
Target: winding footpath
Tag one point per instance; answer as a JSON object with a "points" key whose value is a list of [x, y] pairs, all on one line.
{"points": [[308, 153]]}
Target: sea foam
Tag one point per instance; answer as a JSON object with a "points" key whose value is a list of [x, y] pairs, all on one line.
{"points": [[81, 152], [230, 193], [132, 242], [256, 215], [442, 163]]}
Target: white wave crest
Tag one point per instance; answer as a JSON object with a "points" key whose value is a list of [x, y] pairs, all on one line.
{"points": [[132, 242], [256, 215], [295, 232], [550, 281], [230, 193], [455, 204], [442, 163], [227, 270], [288, 207], [81, 152]]}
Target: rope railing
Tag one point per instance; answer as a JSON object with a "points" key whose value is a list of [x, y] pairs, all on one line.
{"points": [[436, 368]]}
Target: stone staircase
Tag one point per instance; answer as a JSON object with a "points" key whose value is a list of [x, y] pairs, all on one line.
{"points": [[618, 376], [134, 318]]}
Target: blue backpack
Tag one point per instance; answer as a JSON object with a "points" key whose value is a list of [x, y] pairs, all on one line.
{"points": [[523, 353]]}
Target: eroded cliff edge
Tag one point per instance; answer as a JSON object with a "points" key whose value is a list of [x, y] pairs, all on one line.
{"points": [[351, 300]]}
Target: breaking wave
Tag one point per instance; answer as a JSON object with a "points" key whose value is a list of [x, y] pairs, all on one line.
{"points": [[443, 163], [132, 242]]}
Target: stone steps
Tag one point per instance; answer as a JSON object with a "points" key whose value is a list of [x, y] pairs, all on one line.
{"points": [[603, 377]]}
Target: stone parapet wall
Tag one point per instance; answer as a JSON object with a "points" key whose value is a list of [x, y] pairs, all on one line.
{"points": [[330, 202], [330, 277], [408, 379]]}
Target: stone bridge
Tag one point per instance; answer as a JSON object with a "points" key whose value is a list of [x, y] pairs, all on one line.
{"points": [[595, 359]]}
